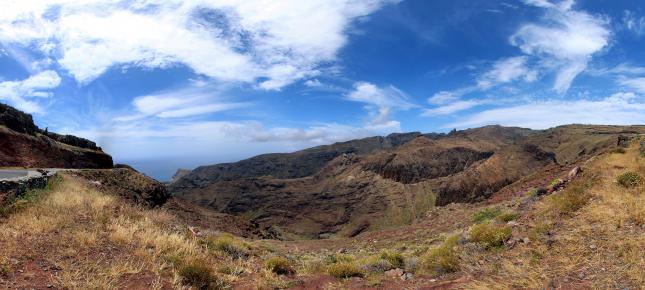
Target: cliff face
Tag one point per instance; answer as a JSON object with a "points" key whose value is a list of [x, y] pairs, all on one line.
{"points": [[357, 185], [23, 144]]}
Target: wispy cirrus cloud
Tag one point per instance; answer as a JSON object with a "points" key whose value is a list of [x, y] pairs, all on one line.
{"points": [[180, 103]]}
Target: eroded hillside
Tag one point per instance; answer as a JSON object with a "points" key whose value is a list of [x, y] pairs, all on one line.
{"points": [[374, 183]]}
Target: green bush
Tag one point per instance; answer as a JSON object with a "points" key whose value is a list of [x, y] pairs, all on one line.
{"points": [[344, 270], [442, 259], [200, 276], [486, 214], [507, 217], [629, 179], [278, 265], [396, 259], [228, 245], [489, 235]]}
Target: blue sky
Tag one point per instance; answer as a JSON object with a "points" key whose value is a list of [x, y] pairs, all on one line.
{"points": [[168, 84]]}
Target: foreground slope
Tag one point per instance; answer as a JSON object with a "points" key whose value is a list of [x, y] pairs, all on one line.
{"points": [[348, 188], [586, 232]]}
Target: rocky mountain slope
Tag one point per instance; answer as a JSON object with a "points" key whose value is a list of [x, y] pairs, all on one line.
{"points": [[350, 187], [23, 144]]}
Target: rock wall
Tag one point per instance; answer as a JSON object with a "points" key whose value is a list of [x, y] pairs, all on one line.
{"points": [[16, 187]]}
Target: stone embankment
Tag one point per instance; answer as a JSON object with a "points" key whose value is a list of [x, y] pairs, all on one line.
{"points": [[18, 183]]}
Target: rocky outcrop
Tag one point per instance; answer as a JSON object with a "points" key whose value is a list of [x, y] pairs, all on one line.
{"points": [[23, 144], [129, 184], [16, 120]]}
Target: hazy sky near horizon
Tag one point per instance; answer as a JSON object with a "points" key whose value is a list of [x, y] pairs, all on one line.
{"points": [[163, 84]]}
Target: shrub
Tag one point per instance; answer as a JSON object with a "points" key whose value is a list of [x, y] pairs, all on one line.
{"points": [[532, 192], [345, 270], [489, 235], [617, 151], [228, 245], [5, 268], [486, 214], [338, 258], [231, 270], [396, 259], [629, 179], [442, 259], [200, 276], [278, 265], [571, 200], [507, 217], [378, 265]]}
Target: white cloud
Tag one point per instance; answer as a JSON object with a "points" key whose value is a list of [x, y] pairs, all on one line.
{"points": [[388, 96], [562, 5], [234, 140], [566, 38], [618, 109], [22, 93], [634, 23], [451, 108], [313, 83], [381, 101], [267, 43], [507, 70], [635, 83], [186, 102]]}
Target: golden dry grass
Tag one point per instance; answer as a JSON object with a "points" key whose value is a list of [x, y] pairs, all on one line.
{"points": [[98, 240], [597, 243]]}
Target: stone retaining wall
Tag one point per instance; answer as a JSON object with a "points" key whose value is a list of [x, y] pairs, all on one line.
{"points": [[15, 187]]}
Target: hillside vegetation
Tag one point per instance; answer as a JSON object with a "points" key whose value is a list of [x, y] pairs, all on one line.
{"points": [[587, 233]]}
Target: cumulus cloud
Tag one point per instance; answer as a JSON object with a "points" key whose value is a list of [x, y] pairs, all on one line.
{"points": [[23, 93], [565, 38], [619, 109], [266, 43]]}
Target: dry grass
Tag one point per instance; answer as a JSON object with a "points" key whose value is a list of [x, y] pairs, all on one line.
{"points": [[98, 239], [590, 236]]}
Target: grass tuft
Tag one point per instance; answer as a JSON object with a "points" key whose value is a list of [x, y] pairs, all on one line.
{"points": [[278, 265], [229, 245], [489, 235], [629, 179], [344, 270], [395, 259], [200, 276], [442, 259], [486, 214]]}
